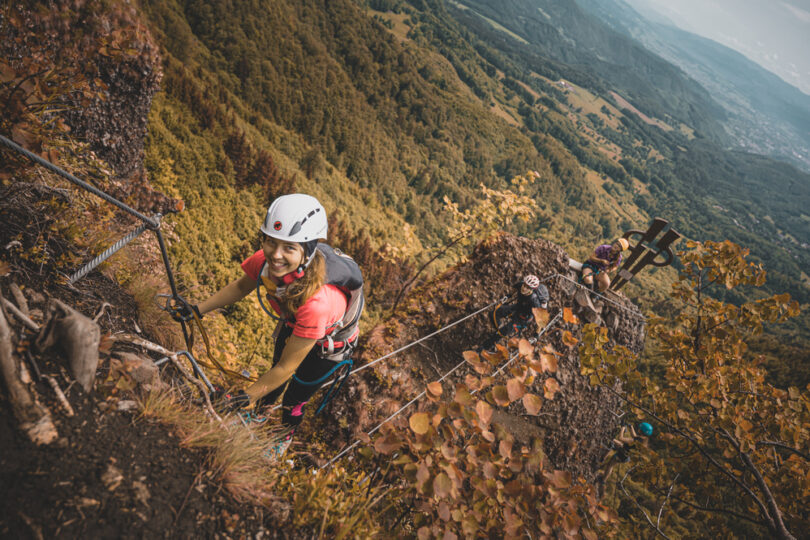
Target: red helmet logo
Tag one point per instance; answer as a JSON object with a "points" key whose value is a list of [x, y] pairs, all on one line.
{"points": [[277, 225]]}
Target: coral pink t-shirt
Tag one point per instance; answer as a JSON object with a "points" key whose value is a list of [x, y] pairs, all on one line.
{"points": [[316, 315]]}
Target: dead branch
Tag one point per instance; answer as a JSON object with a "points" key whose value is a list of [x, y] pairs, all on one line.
{"points": [[717, 510], [199, 384], [154, 347], [33, 363], [19, 297], [78, 338], [60, 396], [784, 447], [35, 420], [641, 508], [20, 315], [25, 376], [148, 345], [661, 510], [101, 311], [773, 515], [35, 529]]}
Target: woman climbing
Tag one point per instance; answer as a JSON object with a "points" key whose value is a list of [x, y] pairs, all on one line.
{"points": [[310, 286], [605, 259], [621, 446]]}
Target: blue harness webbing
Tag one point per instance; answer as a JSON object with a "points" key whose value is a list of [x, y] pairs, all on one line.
{"points": [[339, 380]]}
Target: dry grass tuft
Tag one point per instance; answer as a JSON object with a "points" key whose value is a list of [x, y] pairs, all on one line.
{"points": [[153, 320], [330, 504], [237, 452]]}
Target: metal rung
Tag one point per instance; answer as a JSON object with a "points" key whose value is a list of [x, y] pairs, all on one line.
{"points": [[86, 269]]}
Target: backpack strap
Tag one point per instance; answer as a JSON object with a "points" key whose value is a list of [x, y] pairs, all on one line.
{"points": [[339, 344], [259, 293]]}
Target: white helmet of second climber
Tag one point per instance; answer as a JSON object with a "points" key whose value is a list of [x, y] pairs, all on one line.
{"points": [[295, 218], [531, 281]]}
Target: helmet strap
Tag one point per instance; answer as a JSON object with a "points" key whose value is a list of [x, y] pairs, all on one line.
{"points": [[292, 276], [298, 273]]}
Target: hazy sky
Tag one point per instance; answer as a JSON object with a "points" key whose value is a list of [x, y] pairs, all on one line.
{"points": [[773, 33]]}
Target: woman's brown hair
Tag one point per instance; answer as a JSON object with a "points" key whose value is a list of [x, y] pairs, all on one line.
{"points": [[301, 290]]}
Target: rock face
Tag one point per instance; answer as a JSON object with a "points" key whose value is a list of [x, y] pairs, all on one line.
{"points": [[115, 124], [123, 76], [575, 426]]}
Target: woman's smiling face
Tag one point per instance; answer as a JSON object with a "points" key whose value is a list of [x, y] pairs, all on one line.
{"points": [[282, 257]]}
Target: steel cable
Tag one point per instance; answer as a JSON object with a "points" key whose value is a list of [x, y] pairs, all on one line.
{"points": [[153, 223]]}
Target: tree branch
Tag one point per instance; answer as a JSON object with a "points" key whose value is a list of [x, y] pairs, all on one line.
{"points": [[20, 315], [697, 446], [641, 508], [785, 447], [422, 268], [774, 514], [718, 510], [660, 510]]}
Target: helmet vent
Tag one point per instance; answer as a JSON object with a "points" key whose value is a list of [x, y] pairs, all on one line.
{"points": [[297, 225]]}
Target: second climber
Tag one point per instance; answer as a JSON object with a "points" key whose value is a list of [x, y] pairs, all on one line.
{"points": [[531, 299], [604, 259]]}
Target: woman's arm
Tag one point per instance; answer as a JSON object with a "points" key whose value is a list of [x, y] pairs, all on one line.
{"points": [[230, 293], [295, 350]]}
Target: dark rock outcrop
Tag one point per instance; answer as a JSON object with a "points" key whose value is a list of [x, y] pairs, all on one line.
{"points": [[575, 426]]}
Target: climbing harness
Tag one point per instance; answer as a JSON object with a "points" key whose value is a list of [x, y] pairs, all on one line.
{"points": [[343, 370], [514, 322]]}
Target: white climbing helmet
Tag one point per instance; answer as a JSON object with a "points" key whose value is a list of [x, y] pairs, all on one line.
{"points": [[531, 281], [295, 218]]}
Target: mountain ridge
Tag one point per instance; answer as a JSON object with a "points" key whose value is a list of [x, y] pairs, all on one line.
{"points": [[766, 114]]}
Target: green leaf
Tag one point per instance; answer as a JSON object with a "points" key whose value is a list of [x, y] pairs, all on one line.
{"points": [[442, 485]]}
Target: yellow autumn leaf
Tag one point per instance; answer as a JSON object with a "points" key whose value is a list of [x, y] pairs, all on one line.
{"points": [[420, 423]]}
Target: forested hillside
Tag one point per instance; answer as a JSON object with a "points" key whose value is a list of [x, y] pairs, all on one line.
{"points": [[392, 106], [765, 115], [403, 113]]}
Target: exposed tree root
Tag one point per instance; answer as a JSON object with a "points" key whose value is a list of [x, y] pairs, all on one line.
{"points": [[35, 419]]}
